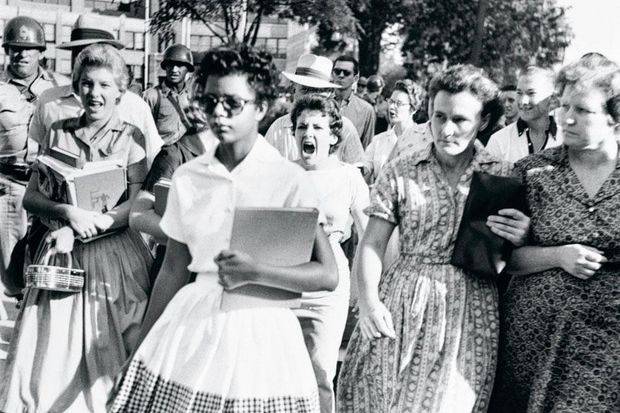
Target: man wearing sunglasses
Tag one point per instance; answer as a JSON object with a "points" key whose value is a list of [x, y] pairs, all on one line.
{"points": [[312, 76], [345, 74]]}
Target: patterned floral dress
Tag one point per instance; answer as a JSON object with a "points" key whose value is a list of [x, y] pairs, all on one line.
{"points": [[446, 321], [560, 335]]}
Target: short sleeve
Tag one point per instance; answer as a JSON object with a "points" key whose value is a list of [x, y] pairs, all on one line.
{"points": [[163, 166], [36, 130], [136, 147], [360, 199], [171, 223], [384, 195]]}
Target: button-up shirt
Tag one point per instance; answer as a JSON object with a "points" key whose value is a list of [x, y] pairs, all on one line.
{"points": [[280, 136], [512, 142], [205, 192], [168, 108], [362, 114], [62, 103], [17, 100]]}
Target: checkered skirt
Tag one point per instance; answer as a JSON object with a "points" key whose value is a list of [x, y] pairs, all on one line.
{"points": [[199, 359]]}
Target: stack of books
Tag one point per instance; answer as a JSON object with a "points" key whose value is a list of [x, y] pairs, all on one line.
{"points": [[94, 186]]}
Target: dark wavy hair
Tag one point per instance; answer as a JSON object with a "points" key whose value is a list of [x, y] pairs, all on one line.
{"points": [[594, 72], [460, 78], [466, 77], [328, 107], [257, 65]]}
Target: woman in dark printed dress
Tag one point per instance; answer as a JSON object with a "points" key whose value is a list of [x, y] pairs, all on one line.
{"points": [[561, 330], [426, 340]]}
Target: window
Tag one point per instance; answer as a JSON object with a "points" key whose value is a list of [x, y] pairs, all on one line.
{"points": [[50, 32], [64, 66], [129, 40], [275, 46], [66, 33], [138, 42], [137, 71]]}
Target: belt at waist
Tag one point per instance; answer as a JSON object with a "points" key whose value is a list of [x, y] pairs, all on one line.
{"points": [[17, 171], [426, 258]]}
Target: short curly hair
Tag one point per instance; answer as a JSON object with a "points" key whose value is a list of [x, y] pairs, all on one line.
{"points": [[413, 91], [101, 55], [466, 77], [328, 107], [589, 73], [257, 65]]}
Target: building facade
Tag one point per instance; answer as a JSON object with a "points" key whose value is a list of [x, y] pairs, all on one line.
{"points": [[58, 17]]}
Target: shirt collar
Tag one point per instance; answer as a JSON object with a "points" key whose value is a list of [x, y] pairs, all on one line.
{"points": [[115, 124], [481, 156], [559, 156], [552, 129], [262, 151], [6, 76], [165, 89]]}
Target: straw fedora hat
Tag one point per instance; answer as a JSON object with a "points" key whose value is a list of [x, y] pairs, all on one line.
{"points": [[313, 71], [87, 30]]}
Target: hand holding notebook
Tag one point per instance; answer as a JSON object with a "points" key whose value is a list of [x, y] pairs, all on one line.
{"points": [[271, 236]]}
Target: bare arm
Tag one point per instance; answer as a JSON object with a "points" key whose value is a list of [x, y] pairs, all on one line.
{"points": [[173, 276], [236, 269], [143, 217], [578, 260]]}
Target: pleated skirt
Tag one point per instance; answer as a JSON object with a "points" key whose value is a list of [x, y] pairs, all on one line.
{"points": [[197, 358], [68, 347]]}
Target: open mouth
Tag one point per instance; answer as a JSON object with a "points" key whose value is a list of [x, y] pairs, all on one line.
{"points": [[308, 146]]}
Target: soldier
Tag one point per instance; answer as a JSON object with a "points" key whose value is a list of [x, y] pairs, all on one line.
{"points": [[170, 99], [20, 86]]}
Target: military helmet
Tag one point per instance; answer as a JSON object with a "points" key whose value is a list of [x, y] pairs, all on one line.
{"points": [[178, 53], [23, 31]]}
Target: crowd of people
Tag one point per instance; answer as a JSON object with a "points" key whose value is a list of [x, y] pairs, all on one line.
{"points": [[389, 169]]}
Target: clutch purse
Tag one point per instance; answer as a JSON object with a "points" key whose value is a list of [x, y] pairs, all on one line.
{"points": [[477, 249], [55, 278]]}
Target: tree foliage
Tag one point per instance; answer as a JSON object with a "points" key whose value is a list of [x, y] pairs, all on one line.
{"points": [[235, 21], [514, 34], [370, 20]]}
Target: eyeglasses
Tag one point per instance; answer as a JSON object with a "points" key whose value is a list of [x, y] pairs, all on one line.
{"points": [[397, 103], [343, 72], [233, 105]]}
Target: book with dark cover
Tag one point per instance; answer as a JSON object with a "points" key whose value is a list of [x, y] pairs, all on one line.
{"points": [[273, 236], [160, 190], [477, 249]]}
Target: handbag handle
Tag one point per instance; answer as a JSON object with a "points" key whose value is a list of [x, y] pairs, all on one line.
{"points": [[52, 251]]}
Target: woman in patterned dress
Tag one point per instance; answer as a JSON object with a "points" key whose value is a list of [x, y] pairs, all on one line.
{"points": [[68, 347], [426, 339], [560, 324], [195, 356]]}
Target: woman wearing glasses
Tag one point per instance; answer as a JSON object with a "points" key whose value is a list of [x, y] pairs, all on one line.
{"points": [[401, 106], [193, 355]]}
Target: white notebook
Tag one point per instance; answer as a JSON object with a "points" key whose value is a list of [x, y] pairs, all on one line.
{"points": [[273, 236]]}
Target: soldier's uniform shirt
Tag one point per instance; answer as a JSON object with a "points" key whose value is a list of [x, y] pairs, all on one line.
{"points": [[166, 103]]}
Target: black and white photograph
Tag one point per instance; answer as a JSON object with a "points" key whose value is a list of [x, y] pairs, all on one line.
{"points": [[309, 206]]}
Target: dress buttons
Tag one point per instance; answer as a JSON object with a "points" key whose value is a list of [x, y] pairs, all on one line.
{"points": [[596, 234], [591, 209]]}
